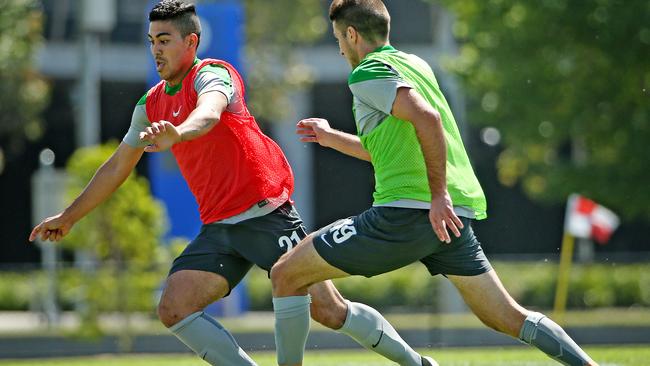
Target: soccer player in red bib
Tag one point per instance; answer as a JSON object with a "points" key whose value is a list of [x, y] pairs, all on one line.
{"points": [[242, 183]]}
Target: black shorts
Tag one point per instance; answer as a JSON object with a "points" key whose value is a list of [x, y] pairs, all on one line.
{"points": [[383, 239], [230, 250]]}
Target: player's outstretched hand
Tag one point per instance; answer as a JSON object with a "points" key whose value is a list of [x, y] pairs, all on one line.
{"points": [[161, 136], [52, 228], [314, 130], [442, 216]]}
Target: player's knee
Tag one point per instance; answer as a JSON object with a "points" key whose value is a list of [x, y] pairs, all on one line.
{"points": [[166, 315], [169, 315], [280, 275], [332, 317]]}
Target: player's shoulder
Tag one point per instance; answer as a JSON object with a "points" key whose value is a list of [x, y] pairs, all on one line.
{"points": [[214, 71], [214, 68], [371, 69], [150, 92]]}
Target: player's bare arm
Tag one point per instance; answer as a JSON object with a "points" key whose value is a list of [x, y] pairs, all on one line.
{"points": [[163, 134], [318, 130], [105, 181], [410, 106]]}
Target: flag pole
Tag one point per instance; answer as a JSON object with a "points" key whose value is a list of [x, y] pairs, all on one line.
{"points": [[562, 289]]}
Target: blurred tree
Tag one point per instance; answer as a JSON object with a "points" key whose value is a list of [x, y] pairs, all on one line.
{"points": [[123, 234], [273, 30], [23, 94], [567, 84]]}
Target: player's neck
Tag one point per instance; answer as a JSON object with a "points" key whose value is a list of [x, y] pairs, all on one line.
{"points": [[368, 47], [187, 66]]}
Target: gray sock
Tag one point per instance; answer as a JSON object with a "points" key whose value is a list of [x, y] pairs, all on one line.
{"points": [[291, 328], [208, 339], [369, 328], [550, 338]]}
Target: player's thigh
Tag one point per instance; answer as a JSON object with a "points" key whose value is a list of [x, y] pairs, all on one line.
{"points": [[301, 268], [490, 301], [193, 289], [211, 257], [377, 241]]}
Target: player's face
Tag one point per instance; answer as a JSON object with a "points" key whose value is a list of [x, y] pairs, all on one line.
{"points": [[172, 53], [345, 44]]}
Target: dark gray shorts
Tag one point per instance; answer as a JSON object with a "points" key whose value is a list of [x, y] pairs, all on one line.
{"points": [[383, 239], [230, 250]]}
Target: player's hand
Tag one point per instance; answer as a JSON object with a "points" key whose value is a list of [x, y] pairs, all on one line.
{"points": [[442, 217], [161, 136], [314, 130], [52, 228]]}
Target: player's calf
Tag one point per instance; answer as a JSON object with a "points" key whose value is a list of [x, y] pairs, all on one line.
{"points": [[331, 317], [328, 307], [550, 338]]}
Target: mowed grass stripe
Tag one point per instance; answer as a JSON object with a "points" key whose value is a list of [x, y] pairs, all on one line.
{"points": [[514, 356]]}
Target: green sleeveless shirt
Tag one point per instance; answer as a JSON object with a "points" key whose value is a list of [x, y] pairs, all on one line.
{"points": [[400, 170]]}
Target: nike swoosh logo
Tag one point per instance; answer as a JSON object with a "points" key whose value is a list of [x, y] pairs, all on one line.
{"points": [[323, 239], [178, 112], [379, 340]]}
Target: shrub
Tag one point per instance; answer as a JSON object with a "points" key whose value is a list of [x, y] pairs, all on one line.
{"points": [[530, 283]]}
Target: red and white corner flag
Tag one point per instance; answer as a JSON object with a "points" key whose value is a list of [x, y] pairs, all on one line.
{"points": [[587, 219]]}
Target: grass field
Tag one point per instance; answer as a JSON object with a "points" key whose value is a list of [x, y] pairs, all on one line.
{"points": [[519, 356]]}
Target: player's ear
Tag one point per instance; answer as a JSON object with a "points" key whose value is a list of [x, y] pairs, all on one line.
{"points": [[352, 34], [192, 40]]}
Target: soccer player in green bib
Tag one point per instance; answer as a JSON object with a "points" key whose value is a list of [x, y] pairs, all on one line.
{"points": [[426, 195]]}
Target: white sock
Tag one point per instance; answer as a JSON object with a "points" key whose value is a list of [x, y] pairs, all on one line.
{"points": [[291, 328], [550, 338], [370, 329], [210, 340]]}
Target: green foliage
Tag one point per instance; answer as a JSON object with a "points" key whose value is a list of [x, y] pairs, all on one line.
{"points": [[21, 291], [122, 233], [411, 287], [590, 286], [139, 293], [273, 30], [16, 290], [532, 284], [128, 226], [23, 93], [567, 83]]}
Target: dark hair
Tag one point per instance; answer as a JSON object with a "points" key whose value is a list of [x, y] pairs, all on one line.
{"points": [[368, 17], [181, 14]]}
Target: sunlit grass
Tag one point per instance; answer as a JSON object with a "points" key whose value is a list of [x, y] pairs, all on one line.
{"points": [[515, 356]]}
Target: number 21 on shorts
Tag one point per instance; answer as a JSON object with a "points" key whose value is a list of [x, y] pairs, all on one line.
{"points": [[288, 241]]}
